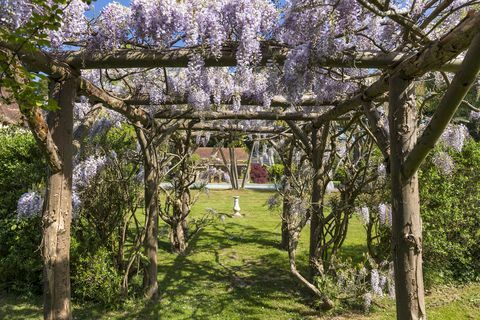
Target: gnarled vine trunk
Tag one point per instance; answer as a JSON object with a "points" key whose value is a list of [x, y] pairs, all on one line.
{"points": [[284, 227], [318, 140], [407, 228], [150, 178], [178, 224], [178, 237], [151, 234], [57, 214]]}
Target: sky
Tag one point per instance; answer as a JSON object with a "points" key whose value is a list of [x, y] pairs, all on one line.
{"points": [[99, 4]]}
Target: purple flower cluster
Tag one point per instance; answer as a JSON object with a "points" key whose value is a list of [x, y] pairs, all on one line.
{"points": [[444, 162], [86, 170], [385, 214], [73, 24], [454, 136], [112, 27], [29, 205], [365, 215]]}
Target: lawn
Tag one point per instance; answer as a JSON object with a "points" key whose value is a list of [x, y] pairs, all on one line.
{"points": [[234, 270]]}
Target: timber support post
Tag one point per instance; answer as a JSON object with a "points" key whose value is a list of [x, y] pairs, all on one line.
{"points": [[407, 226], [57, 213]]}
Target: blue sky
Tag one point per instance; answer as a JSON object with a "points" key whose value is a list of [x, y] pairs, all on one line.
{"points": [[99, 4]]}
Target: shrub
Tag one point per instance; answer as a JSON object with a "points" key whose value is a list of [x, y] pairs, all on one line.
{"points": [[96, 279], [450, 209], [21, 167], [276, 171], [258, 174], [20, 259]]}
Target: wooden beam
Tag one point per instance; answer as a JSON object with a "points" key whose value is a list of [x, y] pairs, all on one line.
{"points": [[453, 97], [276, 101], [241, 115], [204, 126], [179, 58], [428, 58]]}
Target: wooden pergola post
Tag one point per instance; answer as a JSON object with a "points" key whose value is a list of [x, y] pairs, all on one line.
{"points": [[57, 213], [407, 225]]}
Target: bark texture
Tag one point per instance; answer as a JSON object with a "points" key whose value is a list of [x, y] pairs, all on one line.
{"points": [[407, 227], [151, 213], [57, 213], [151, 242], [319, 139]]}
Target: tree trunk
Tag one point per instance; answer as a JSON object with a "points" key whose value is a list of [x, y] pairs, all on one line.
{"points": [[178, 237], [151, 235], [315, 224], [246, 177], [285, 213], [233, 168], [317, 200], [407, 228], [57, 214], [150, 282]]}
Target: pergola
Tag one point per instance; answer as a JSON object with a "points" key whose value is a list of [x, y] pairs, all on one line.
{"points": [[402, 149]]}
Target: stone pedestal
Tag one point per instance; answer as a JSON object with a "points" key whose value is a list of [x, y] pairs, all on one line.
{"points": [[236, 206]]}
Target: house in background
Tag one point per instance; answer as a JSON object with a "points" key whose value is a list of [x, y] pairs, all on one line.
{"points": [[218, 162]]}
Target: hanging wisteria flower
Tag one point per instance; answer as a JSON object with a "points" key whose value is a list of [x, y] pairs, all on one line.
{"points": [[29, 205], [81, 108], [73, 24], [444, 162], [383, 282], [367, 301], [455, 136], [112, 27], [226, 177], [382, 170], [475, 116], [375, 282], [86, 170], [365, 215], [76, 205], [385, 214]]}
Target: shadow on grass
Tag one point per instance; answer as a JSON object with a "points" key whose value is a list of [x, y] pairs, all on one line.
{"points": [[19, 308], [215, 277], [232, 269], [224, 281]]}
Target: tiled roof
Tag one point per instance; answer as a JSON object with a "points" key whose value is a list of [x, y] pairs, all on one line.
{"points": [[213, 153]]}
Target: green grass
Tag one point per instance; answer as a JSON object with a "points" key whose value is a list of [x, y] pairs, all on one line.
{"points": [[234, 270]]}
